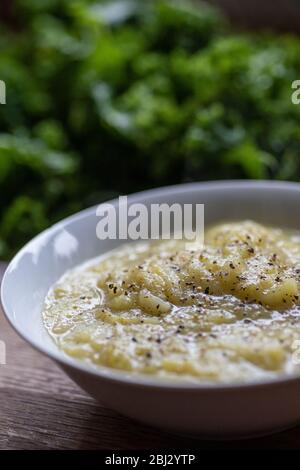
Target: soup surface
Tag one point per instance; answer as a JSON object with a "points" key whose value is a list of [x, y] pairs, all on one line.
{"points": [[226, 312]]}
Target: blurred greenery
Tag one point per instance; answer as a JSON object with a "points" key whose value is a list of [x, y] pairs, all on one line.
{"points": [[109, 97]]}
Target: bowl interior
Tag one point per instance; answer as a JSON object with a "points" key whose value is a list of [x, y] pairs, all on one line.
{"points": [[46, 258]]}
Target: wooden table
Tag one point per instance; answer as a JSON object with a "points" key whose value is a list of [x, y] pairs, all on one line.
{"points": [[40, 408]]}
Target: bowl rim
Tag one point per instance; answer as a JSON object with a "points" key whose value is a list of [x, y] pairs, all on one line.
{"points": [[131, 378]]}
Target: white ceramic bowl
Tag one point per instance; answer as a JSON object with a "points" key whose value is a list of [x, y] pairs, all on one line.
{"points": [[215, 411]]}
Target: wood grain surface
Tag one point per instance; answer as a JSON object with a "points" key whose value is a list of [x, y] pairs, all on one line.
{"points": [[40, 408]]}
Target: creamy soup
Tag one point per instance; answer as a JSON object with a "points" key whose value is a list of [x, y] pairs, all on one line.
{"points": [[226, 312]]}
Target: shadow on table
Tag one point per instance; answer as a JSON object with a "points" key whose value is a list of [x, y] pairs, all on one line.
{"points": [[121, 433]]}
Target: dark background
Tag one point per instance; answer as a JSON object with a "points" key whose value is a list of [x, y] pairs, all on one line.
{"points": [[109, 97]]}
